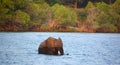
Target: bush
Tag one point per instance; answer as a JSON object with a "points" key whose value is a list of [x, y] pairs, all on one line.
{"points": [[64, 15], [81, 14], [21, 17], [116, 13], [116, 6], [92, 12], [103, 7], [38, 12], [106, 22]]}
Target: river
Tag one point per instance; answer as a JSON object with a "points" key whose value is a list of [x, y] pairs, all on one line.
{"points": [[20, 48]]}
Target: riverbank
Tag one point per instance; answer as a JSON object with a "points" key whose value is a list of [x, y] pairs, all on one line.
{"points": [[55, 29]]}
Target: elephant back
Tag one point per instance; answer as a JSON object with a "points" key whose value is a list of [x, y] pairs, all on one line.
{"points": [[43, 44], [52, 42]]}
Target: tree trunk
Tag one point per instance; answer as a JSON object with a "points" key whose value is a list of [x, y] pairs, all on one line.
{"points": [[110, 2], [75, 4]]}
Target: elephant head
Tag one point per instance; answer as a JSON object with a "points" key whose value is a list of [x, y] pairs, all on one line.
{"points": [[51, 46]]}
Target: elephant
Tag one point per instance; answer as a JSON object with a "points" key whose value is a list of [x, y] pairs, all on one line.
{"points": [[51, 46]]}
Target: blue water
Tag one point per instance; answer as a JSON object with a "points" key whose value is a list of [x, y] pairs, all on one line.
{"points": [[20, 48]]}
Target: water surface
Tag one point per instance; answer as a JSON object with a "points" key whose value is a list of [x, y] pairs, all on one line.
{"points": [[20, 48]]}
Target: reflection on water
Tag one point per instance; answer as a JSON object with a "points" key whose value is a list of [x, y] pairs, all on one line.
{"points": [[20, 48]]}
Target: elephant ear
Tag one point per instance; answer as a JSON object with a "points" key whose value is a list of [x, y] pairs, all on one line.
{"points": [[60, 41]]}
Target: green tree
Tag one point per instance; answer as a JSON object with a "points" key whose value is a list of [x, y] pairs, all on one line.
{"points": [[64, 15], [6, 9], [52, 2], [92, 12], [89, 5], [39, 1], [81, 14], [103, 7], [116, 6], [32, 9], [19, 4], [7, 4], [115, 12], [21, 17], [39, 13], [105, 18]]}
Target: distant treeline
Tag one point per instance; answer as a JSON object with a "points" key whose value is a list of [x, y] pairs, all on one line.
{"points": [[60, 15], [78, 3]]}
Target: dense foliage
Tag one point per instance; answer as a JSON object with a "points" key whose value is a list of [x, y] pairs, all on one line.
{"points": [[60, 15]]}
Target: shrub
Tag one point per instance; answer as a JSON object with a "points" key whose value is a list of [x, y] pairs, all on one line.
{"points": [[22, 17], [63, 15]]}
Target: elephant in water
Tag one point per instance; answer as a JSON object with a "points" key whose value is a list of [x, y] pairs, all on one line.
{"points": [[51, 46]]}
